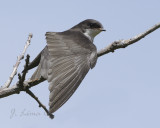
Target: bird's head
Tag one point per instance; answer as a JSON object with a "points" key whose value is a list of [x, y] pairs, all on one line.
{"points": [[90, 28]]}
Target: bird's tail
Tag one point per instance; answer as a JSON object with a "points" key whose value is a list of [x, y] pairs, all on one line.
{"points": [[37, 74]]}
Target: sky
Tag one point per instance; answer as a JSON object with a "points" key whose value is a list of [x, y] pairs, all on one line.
{"points": [[122, 91]]}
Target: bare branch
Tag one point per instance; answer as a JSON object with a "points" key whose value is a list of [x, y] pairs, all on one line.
{"points": [[20, 86], [24, 86], [22, 78], [4, 92], [16, 89], [14, 72], [124, 43], [40, 104]]}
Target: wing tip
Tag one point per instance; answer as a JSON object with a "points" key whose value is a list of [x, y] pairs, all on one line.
{"points": [[51, 110]]}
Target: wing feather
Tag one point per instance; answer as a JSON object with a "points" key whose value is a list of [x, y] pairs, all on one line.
{"points": [[66, 92], [69, 64]]}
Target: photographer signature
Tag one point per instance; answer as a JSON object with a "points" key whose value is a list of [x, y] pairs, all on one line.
{"points": [[24, 113]]}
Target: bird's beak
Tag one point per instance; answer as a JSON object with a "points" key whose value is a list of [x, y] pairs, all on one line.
{"points": [[102, 29]]}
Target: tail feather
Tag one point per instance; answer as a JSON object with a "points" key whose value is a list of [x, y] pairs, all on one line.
{"points": [[42, 69], [37, 74]]}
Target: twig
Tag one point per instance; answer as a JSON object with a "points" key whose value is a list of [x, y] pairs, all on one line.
{"points": [[20, 86], [40, 104], [22, 78], [5, 91], [26, 88], [14, 72], [124, 43]]}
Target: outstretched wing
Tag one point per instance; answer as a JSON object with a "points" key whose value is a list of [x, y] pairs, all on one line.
{"points": [[69, 63]]}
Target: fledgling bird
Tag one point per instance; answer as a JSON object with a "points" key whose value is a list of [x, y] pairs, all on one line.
{"points": [[66, 60]]}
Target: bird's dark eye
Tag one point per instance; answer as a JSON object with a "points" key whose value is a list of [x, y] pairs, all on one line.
{"points": [[94, 25]]}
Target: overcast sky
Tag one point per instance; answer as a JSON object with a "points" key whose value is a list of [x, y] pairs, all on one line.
{"points": [[122, 91]]}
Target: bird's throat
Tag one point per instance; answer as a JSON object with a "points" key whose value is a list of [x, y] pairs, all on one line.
{"points": [[91, 33]]}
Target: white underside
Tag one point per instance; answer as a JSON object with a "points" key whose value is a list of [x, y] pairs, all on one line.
{"points": [[91, 33]]}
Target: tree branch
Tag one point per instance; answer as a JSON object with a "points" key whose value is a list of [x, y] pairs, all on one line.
{"points": [[25, 86], [19, 58], [16, 89], [40, 104], [124, 43]]}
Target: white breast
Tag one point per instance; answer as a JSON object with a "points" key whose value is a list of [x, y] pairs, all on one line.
{"points": [[91, 33]]}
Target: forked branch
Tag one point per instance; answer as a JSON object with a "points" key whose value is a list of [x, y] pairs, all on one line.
{"points": [[23, 86], [19, 58]]}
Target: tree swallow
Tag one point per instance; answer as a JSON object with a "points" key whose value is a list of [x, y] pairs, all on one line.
{"points": [[66, 60]]}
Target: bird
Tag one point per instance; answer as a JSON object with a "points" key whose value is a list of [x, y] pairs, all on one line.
{"points": [[66, 59]]}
